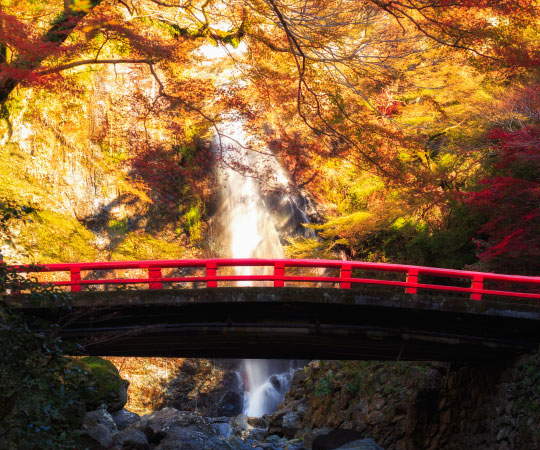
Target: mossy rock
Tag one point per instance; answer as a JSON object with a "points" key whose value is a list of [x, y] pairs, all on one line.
{"points": [[104, 384]]}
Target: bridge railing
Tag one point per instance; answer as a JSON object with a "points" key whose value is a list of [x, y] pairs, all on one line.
{"points": [[521, 286]]}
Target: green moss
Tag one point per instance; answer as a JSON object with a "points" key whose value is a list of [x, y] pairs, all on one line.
{"points": [[193, 222], [118, 226], [105, 383], [364, 379], [51, 237], [13, 183], [143, 246], [325, 385]]}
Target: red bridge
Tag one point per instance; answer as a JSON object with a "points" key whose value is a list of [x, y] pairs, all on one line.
{"points": [[156, 279], [293, 308]]}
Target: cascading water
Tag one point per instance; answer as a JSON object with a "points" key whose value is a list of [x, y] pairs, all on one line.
{"points": [[251, 227], [246, 222], [269, 387], [250, 231]]}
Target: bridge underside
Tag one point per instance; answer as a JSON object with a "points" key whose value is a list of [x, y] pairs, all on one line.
{"points": [[304, 323]]}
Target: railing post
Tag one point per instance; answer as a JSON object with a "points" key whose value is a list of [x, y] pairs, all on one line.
{"points": [[279, 271], [345, 272], [154, 273], [477, 285], [412, 277], [211, 271], [75, 274], [1, 262]]}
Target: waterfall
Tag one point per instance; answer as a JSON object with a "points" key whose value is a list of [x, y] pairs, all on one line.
{"points": [[246, 222], [252, 217], [250, 231], [270, 381]]}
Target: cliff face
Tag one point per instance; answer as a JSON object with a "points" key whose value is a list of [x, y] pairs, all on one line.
{"points": [[83, 167], [409, 406]]}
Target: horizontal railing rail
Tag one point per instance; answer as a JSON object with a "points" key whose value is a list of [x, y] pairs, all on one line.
{"points": [[345, 280]]}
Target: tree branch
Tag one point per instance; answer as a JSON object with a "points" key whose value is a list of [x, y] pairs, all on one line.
{"points": [[86, 62]]}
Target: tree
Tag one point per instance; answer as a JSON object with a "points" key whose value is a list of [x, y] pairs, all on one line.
{"points": [[22, 50], [510, 202]]}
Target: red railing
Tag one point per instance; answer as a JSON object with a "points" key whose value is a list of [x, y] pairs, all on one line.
{"points": [[412, 284]]}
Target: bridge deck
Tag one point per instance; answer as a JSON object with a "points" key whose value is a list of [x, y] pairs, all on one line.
{"points": [[292, 322]]}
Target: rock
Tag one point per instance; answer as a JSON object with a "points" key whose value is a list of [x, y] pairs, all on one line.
{"points": [[291, 423], [157, 424], [130, 439], [105, 384], [273, 438], [257, 434], [275, 424], [274, 381], [257, 422], [335, 439], [315, 366], [503, 433], [154, 424], [313, 433], [223, 429], [230, 404], [301, 410], [181, 438], [100, 426], [239, 424], [222, 394], [238, 444], [291, 420], [361, 444], [124, 418]]}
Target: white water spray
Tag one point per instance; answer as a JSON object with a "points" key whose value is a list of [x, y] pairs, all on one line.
{"points": [[249, 230], [269, 388], [246, 222], [251, 233]]}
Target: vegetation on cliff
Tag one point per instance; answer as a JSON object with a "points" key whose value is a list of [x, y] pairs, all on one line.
{"points": [[411, 125]]}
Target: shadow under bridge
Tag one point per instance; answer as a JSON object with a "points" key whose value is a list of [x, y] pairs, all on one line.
{"points": [[413, 313]]}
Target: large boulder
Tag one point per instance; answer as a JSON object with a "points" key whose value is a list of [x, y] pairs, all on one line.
{"points": [[182, 438], [100, 427], [329, 439], [105, 386], [291, 423], [157, 425], [130, 439], [238, 444], [212, 388], [222, 429], [230, 404], [124, 418]]}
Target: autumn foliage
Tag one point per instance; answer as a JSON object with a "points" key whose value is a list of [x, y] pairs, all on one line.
{"points": [[510, 200]]}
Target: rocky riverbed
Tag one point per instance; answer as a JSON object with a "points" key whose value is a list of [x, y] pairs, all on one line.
{"points": [[171, 429], [349, 405]]}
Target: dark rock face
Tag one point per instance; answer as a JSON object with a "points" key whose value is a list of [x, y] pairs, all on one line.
{"points": [[130, 439], [414, 406], [157, 425], [213, 388], [180, 438], [230, 404], [124, 418], [335, 438], [100, 427]]}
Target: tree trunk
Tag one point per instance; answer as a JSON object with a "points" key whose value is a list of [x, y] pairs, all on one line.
{"points": [[57, 34]]}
